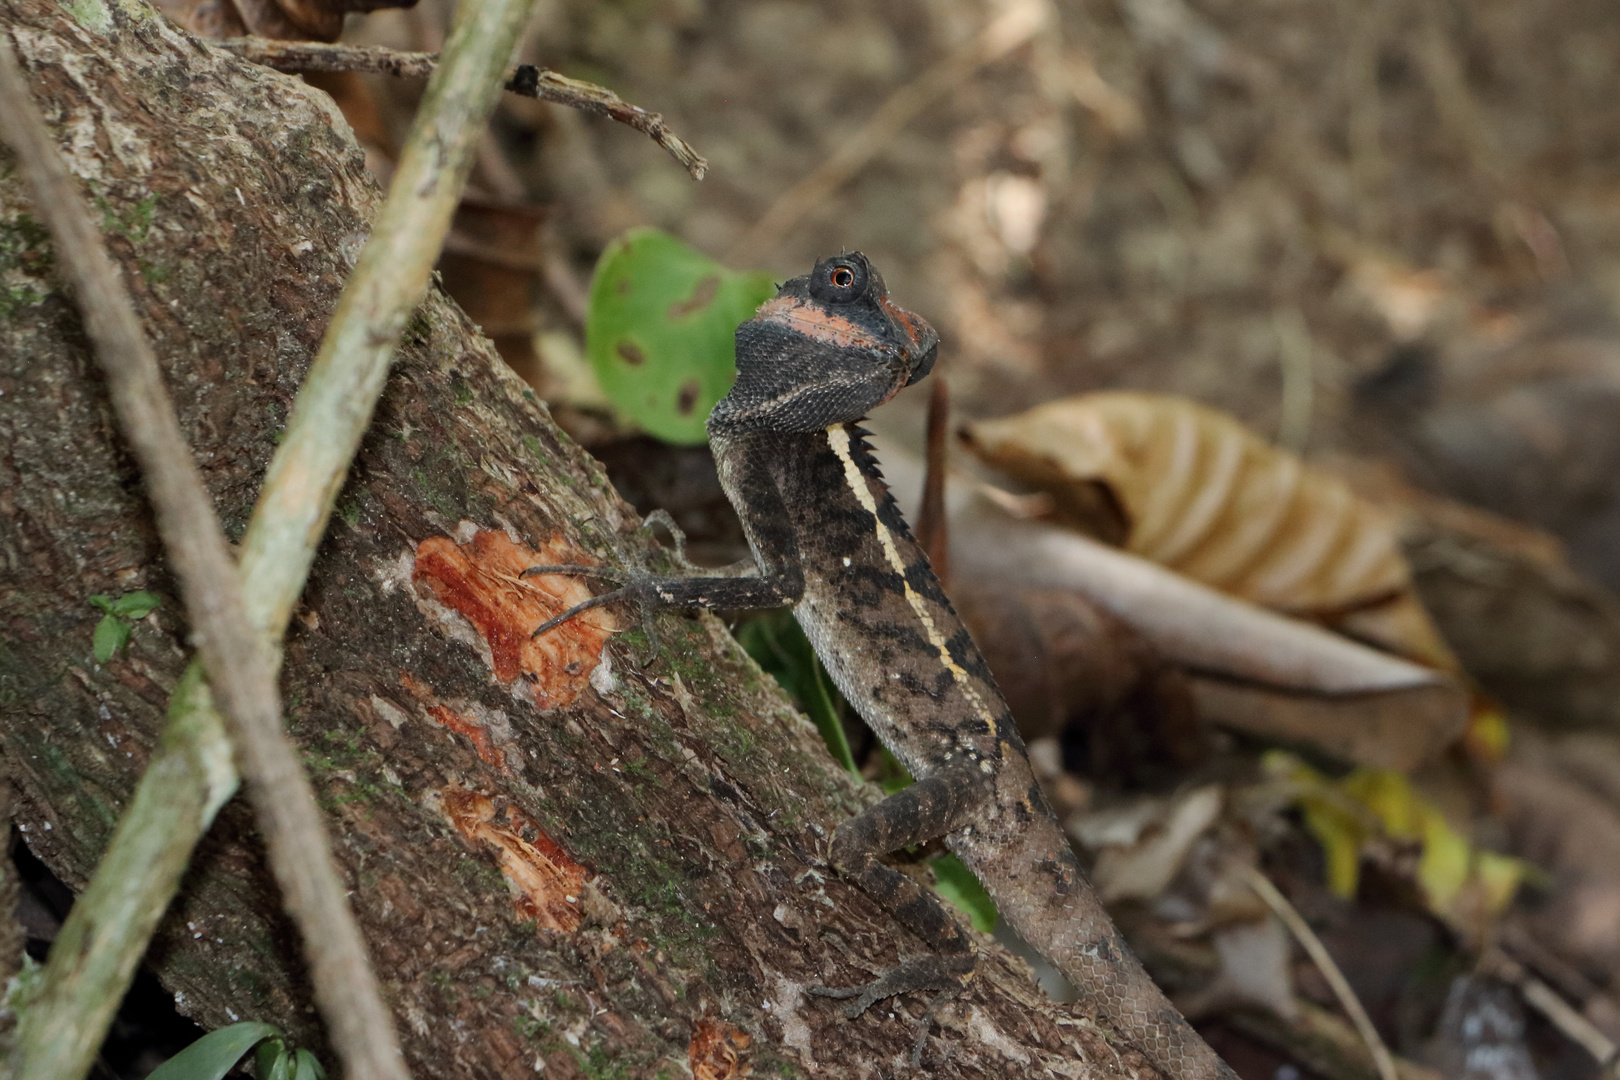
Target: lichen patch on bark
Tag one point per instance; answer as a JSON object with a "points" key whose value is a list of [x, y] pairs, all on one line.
{"points": [[481, 579], [547, 884]]}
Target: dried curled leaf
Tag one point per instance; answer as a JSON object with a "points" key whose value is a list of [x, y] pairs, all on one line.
{"points": [[1196, 491]]}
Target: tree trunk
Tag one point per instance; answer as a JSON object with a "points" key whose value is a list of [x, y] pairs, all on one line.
{"points": [[563, 861]]}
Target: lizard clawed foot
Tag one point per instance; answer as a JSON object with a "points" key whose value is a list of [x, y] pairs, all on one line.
{"points": [[627, 591], [635, 587], [945, 974], [578, 609]]}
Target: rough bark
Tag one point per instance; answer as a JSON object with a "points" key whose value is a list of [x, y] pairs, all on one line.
{"points": [[560, 863]]}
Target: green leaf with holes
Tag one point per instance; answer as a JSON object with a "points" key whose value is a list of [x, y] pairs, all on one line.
{"points": [[659, 331]]}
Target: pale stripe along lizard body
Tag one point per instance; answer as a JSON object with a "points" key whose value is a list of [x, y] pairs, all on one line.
{"points": [[829, 539]]}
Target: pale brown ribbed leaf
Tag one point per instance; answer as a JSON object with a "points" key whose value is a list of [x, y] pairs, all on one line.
{"points": [[1193, 489]]}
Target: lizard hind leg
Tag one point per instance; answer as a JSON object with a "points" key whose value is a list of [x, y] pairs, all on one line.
{"points": [[930, 808]]}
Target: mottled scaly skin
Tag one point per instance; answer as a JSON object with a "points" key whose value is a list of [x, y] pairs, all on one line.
{"points": [[882, 625]]}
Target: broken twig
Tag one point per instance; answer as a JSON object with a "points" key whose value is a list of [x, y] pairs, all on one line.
{"points": [[525, 80]]}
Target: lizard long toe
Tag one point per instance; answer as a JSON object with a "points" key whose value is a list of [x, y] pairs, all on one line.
{"points": [[940, 973], [579, 609], [947, 975]]}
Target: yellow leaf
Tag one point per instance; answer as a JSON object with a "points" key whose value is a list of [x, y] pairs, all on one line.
{"points": [[1487, 735], [1341, 838], [1500, 876], [1445, 863], [1329, 817], [1461, 884], [1390, 798]]}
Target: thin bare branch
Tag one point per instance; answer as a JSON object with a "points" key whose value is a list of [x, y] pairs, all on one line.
{"points": [[55, 1038], [1318, 953], [525, 80]]}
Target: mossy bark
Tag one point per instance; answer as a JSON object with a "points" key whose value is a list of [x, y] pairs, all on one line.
{"points": [[695, 801]]}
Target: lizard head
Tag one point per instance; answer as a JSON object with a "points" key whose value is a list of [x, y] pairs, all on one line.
{"points": [[828, 349]]}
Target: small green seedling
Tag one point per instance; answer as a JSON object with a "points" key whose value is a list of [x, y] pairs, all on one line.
{"points": [[118, 622], [659, 331], [218, 1052]]}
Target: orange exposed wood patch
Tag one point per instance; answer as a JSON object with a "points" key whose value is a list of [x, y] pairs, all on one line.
{"points": [[546, 882], [486, 729], [481, 580], [716, 1050], [473, 731]]}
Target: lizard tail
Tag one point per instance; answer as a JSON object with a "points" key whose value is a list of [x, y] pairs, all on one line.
{"points": [[1041, 891]]}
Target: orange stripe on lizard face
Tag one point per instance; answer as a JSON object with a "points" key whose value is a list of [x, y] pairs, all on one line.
{"points": [[914, 327], [816, 323]]}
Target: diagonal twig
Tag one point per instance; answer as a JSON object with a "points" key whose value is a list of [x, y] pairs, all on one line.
{"points": [[525, 80], [236, 655], [1278, 903], [191, 773]]}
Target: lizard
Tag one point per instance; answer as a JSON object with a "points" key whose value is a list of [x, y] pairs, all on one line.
{"points": [[830, 541]]}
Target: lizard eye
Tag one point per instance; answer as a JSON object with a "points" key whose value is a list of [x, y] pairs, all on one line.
{"points": [[840, 280]]}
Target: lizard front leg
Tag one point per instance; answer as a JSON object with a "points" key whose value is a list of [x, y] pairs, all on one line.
{"points": [[777, 580], [936, 805]]}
